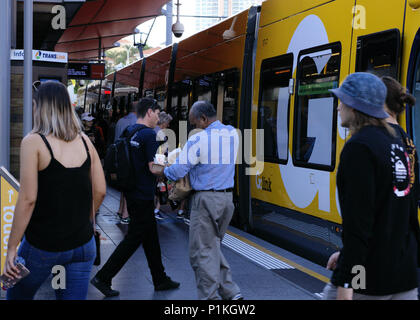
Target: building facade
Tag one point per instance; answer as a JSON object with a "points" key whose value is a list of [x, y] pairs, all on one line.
{"points": [[219, 8]]}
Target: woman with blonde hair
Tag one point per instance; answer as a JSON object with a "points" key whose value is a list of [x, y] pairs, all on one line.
{"points": [[62, 185]]}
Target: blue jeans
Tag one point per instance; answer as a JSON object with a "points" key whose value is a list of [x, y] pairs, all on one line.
{"points": [[77, 263]]}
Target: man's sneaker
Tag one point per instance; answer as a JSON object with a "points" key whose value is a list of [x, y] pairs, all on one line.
{"points": [[104, 288], [180, 214], [158, 216], [167, 284], [125, 220], [187, 220], [237, 297]]}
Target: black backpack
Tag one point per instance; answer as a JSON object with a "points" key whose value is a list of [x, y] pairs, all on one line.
{"points": [[119, 170]]}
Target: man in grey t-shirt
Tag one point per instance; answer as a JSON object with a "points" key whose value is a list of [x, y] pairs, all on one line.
{"points": [[122, 124], [126, 121]]}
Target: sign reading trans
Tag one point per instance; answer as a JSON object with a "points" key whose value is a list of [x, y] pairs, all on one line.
{"points": [[91, 71], [9, 189], [40, 55]]}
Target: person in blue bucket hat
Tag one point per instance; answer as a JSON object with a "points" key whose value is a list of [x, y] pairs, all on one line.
{"points": [[378, 259], [364, 92]]}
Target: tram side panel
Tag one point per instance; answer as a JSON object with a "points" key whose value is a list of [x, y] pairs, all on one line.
{"points": [[294, 199], [410, 69]]}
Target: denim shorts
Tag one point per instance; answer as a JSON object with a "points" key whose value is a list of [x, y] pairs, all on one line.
{"points": [[71, 276]]}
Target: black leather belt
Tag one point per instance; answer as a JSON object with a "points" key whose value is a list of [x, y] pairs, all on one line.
{"points": [[212, 190]]}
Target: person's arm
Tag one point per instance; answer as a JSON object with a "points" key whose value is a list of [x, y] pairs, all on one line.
{"points": [[188, 158], [344, 293], [151, 146], [26, 199], [357, 203], [97, 178]]}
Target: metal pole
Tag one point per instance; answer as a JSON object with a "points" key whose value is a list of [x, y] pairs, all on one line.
{"points": [[5, 40], [99, 97], [27, 67], [169, 15], [113, 85], [141, 78], [14, 23], [86, 90]]}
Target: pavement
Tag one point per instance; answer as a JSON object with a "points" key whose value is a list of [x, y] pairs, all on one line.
{"points": [[262, 270]]}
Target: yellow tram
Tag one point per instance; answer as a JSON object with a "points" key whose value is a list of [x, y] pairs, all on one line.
{"points": [[273, 72]]}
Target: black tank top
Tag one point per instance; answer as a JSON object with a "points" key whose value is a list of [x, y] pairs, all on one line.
{"points": [[61, 217]]}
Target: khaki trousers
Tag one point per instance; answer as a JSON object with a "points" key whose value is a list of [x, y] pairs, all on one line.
{"points": [[330, 293], [211, 213]]}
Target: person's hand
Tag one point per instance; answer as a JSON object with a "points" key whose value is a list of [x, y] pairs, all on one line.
{"points": [[332, 261], [97, 232], [344, 293], [10, 269]]}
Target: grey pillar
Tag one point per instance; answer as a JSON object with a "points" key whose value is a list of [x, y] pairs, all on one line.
{"points": [[169, 15], [14, 23], [5, 40], [27, 67]]}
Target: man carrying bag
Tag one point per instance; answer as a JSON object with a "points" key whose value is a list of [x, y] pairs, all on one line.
{"points": [[211, 175]]}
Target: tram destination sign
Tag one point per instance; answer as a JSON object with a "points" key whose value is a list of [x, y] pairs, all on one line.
{"points": [[89, 71]]}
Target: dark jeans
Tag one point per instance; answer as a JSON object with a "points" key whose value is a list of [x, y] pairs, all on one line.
{"points": [[142, 229]]}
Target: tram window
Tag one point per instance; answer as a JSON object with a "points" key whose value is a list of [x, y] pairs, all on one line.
{"points": [[416, 110], [161, 97], [273, 107], [230, 97], [316, 108], [184, 108], [203, 89], [378, 53]]}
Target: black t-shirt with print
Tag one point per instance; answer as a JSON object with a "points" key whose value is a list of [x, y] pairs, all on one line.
{"points": [[373, 182], [143, 150]]}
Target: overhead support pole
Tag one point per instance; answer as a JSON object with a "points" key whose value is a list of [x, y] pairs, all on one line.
{"points": [[86, 90], [113, 85], [169, 20], [5, 40], [99, 50], [14, 23], [141, 78], [100, 83], [27, 67], [171, 75]]}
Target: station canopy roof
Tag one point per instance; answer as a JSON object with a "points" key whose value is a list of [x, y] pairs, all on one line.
{"points": [[108, 20], [201, 53]]}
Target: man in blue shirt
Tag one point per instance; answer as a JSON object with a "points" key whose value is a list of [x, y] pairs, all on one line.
{"points": [[142, 226], [209, 159]]}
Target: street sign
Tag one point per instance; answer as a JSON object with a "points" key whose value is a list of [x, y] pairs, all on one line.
{"points": [[9, 190], [90, 71]]}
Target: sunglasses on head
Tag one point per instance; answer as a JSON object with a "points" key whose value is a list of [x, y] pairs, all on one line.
{"points": [[36, 84]]}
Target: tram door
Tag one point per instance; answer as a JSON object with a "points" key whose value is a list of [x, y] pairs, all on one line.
{"points": [[227, 102], [412, 52], [412, 65], [181, 96]]}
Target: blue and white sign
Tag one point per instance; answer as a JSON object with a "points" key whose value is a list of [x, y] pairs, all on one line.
{"points": [[40, 55]]}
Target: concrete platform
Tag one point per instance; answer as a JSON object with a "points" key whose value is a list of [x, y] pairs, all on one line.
{"points": [[262, 270]]}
